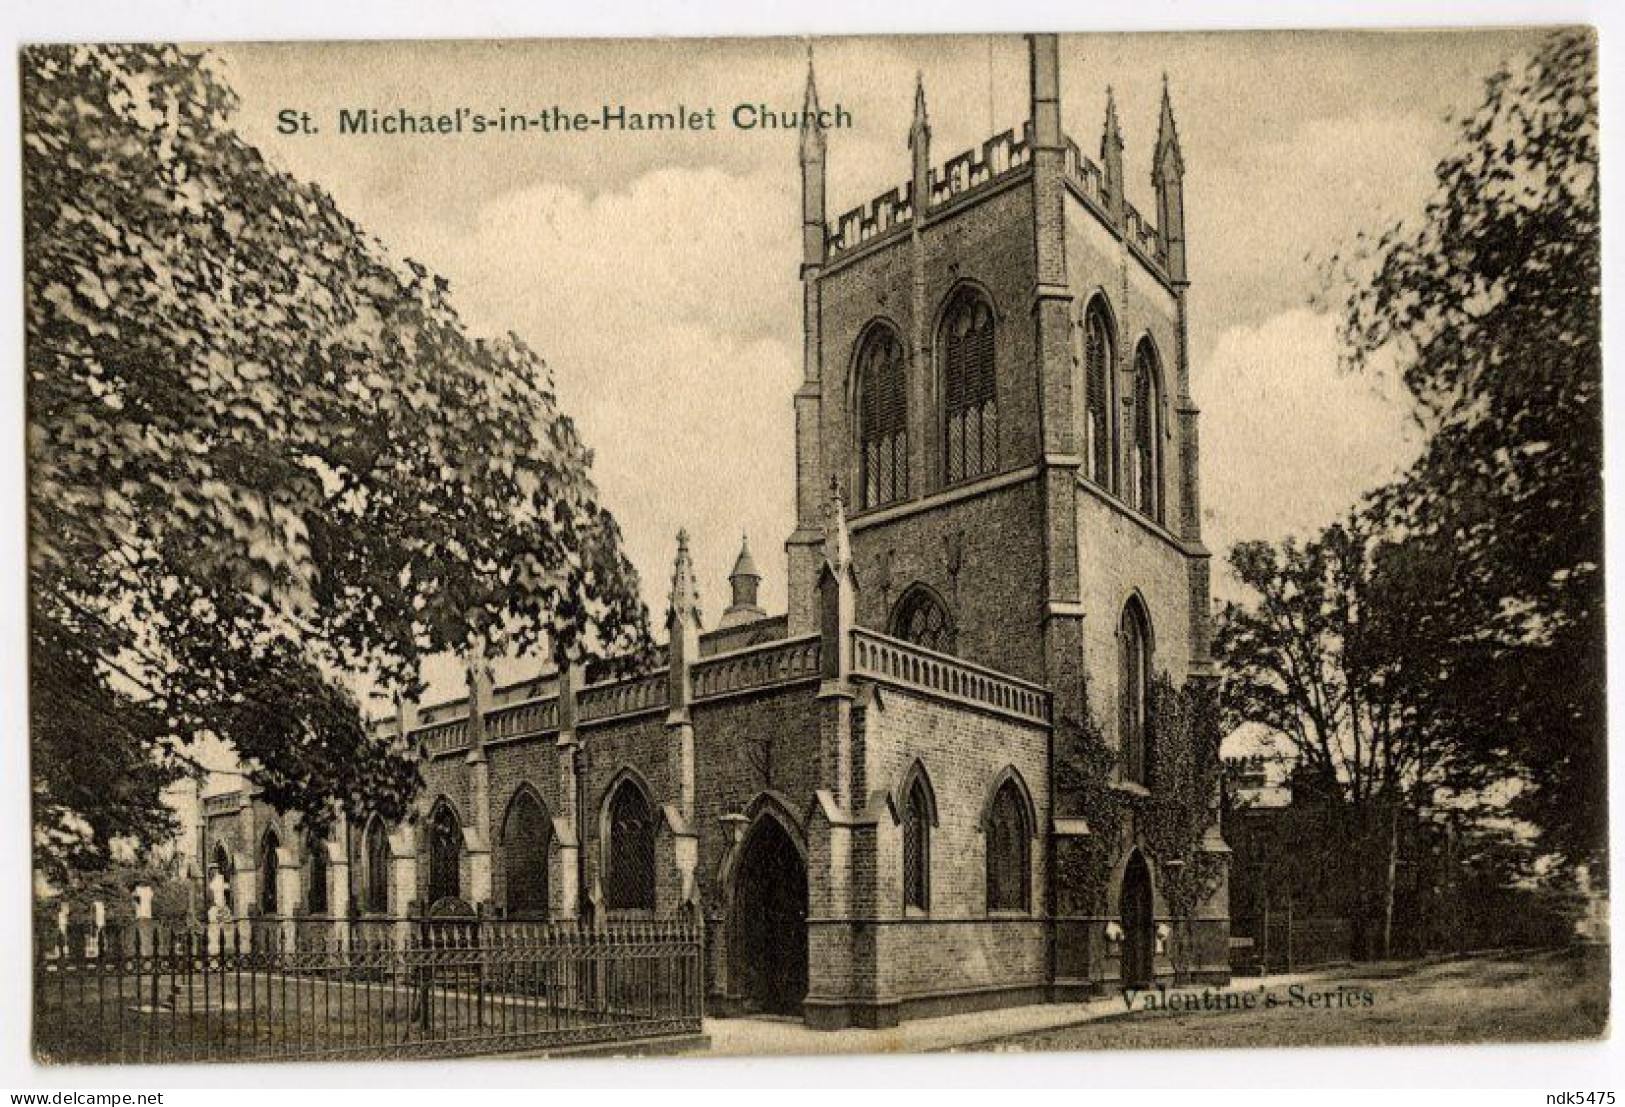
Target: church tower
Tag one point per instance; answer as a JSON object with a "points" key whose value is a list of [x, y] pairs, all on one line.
{"points": [[996, 377]]}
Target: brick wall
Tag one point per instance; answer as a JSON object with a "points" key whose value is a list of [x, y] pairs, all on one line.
{"points": [[996, 600], [957, 945], [532, 764], [989, 243], [1122, 557]]}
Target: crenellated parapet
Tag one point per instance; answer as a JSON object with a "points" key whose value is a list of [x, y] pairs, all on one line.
{"points": [[1143, 237], [890, 211], [970, 170], [1000, 159]]}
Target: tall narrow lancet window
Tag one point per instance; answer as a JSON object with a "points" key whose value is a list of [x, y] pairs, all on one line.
{"points": [[630, 882], [1147, 432], [377, 857], [969, 388], [270, 848], [919, 617], [228, 875], [316, 893], [917, 847], [1134, 692], [1008, 842], [1097, 384], [526, 836], [882, 418], [445, 855]]}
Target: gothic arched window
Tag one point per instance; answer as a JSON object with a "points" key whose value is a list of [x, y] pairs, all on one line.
{"points": [[377, 859], [917, 846], [445, 854], [316, 893], [223, 866], [882, 409], [1008, 842], [270, 847], [630, 882], [526, 835], [1134, 691], [919, 617], [1097, 387], [970, 403], [1147, 486]]}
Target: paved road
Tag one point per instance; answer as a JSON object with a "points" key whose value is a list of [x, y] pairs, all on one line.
{"points": [[1541, 996]]}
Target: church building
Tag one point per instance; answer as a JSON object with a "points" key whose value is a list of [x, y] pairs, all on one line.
{"points": [[998, 534]]}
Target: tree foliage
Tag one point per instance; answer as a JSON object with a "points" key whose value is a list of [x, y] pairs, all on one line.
{"points": [[1490, 304], [1324, 661], [1321, 658], [264, 456]]}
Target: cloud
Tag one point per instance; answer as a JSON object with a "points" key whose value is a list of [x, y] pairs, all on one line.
{"points": [[657, 274], [1289, 439], [665, 311]]}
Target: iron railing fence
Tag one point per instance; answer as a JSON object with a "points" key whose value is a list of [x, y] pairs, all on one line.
{"points": [[327, 989]]}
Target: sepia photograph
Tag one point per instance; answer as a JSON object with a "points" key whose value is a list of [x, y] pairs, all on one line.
{"points": [[611, 548]]}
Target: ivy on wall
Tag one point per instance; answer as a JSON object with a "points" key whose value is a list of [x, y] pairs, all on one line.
{"points": [[1167, 819]]}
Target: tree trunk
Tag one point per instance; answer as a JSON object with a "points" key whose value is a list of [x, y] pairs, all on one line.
{"points": [[1388, 883]]}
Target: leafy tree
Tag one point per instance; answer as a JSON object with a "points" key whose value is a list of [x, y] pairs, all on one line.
{"points": [[266, 462], [1490, 305], [1323, 661]]}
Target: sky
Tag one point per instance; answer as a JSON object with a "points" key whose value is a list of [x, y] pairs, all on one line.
{"points": [[657, 273]]}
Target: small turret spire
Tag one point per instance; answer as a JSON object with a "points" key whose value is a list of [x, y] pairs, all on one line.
{"points": [[743, 582], [684, 603], [1168, 178], [811, 116], [1168, 158], [1111, 157], [919, 144], [812, 173]]}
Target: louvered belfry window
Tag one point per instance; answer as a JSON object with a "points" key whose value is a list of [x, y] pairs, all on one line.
{"points": [[1097, 428], [630, 881], [1134, 692], [970, 400], [1147, 434], [882, 418]]}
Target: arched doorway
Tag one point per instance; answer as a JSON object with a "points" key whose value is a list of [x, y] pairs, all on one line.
{"points": [[1139, 923], [770, 921]]}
